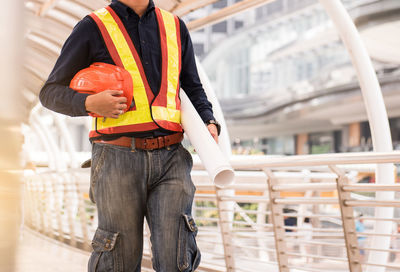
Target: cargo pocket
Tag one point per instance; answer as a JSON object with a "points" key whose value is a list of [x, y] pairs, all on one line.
{"points": [[188, 253], [104, 257]]}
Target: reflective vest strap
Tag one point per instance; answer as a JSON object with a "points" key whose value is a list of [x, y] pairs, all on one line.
{"points": [[171, 59], [128, 39], [162, 97], [178, 35], [108, 41]]}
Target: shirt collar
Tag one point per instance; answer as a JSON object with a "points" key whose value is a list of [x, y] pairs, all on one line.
{"points": [[124, 10]]}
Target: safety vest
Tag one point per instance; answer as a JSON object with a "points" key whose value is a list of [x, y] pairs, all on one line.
{"points": [[149, 112]]}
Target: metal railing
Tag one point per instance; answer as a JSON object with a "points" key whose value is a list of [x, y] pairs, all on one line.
{"points": [[257, 224]]}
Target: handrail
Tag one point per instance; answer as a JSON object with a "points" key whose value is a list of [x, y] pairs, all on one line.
{"points": [[252, 232], [316, 160]]}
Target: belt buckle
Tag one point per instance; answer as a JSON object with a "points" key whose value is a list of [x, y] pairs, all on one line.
{"points": [[133, 145]]}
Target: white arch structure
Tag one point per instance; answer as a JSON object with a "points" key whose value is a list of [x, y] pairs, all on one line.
{"points": [[377, 117]]}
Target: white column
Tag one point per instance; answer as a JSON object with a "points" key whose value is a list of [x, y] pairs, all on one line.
{"points": [[11, 34], [377, 117]]}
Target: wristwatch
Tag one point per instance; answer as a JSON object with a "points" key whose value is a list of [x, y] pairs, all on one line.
{"points": [[216, 124]]}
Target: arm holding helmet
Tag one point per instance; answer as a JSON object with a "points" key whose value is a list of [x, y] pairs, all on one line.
{"points": [[76, 55]]}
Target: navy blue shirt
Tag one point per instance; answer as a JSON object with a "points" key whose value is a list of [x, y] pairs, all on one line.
{"points": [[85, 46]]}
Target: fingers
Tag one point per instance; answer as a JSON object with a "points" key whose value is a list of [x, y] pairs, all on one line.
{"points": [[116, 113], [114, 92], [109, 103], [121, 106], [213, 131], [121, 99]]}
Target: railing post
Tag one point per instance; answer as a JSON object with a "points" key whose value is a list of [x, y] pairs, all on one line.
{"points": [[58, 198], [316, 223], [68, 198], [261, 218], [225, 223], [48, 195], [277, 223], [349, 228], [82, 213]]}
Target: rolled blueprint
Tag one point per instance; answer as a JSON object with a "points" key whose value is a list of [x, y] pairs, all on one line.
{"points": [[214, 161]]}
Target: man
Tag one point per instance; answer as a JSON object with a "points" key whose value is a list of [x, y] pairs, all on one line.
{"points": [[139, 168]]}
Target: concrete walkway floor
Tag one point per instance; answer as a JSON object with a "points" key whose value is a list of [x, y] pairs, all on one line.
{"points": [[37, 253]]}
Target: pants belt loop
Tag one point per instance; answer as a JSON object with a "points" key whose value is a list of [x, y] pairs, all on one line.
{"points": [[133, 146]]}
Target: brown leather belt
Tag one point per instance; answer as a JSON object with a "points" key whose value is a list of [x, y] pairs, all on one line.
{"points": [[145, 143]]}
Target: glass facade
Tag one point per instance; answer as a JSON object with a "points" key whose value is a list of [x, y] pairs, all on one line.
{"points": [[299, 46]]}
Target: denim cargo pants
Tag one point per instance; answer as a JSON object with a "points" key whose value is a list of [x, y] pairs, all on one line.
{"points": [[130, 185]]}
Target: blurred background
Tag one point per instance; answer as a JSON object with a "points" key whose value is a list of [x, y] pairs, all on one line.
{"points": [[288, 94]]}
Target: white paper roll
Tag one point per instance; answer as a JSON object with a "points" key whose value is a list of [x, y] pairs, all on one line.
{"points": [[209, 152]]}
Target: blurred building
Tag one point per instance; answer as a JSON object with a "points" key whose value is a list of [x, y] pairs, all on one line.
{"points": [[206, 38], [286, 82]]}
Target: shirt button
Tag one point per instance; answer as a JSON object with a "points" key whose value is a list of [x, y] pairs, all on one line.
{"points": [[143, 42], [147, 63]]}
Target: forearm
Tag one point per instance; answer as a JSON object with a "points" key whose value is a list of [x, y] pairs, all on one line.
{"points": [[199, 100], [62, 99], [190, 80]]}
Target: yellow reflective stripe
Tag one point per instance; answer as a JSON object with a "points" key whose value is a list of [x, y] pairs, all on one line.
{"points": [[162, 113], [93, 123], [142, 113], [173, 58], [128, 118]]}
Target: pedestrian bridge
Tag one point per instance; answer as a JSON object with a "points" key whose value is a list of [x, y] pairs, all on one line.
{"points": [[257, 224], [297, 213]]}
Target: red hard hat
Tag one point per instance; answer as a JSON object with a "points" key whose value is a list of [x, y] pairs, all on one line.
{"points": [[103, 76]]}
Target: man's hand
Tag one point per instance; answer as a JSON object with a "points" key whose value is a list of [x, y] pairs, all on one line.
{"points": [[212, 128], [106, 103]]}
